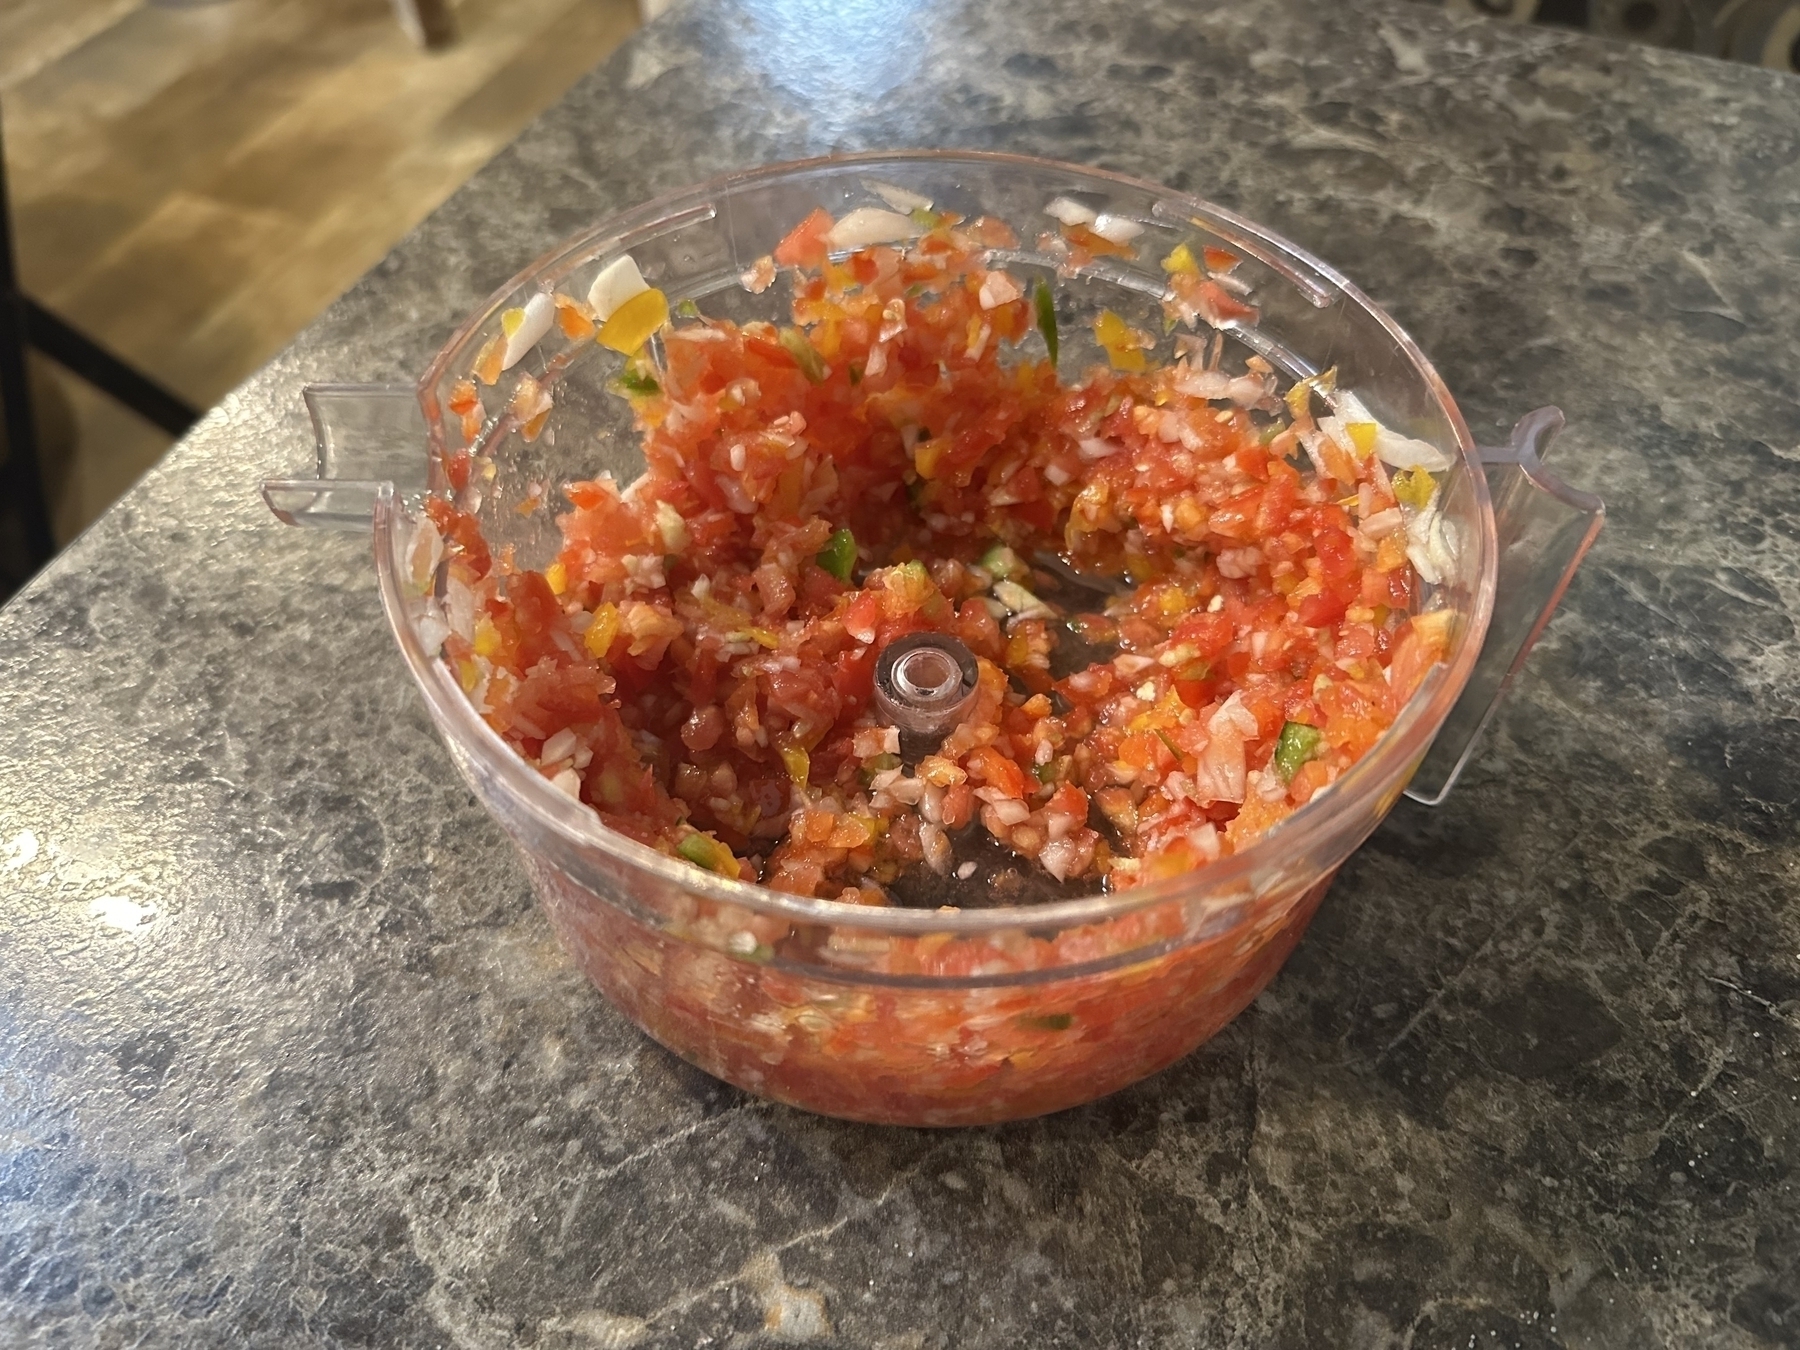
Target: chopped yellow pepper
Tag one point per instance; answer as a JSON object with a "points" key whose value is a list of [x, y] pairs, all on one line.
{"points": [[1362, 436], [1415, 487], [1123, 348], [927, 454], [704, 851], [635, 322], [558, 577], [799, 764], [487, 637], [1181, 260], [601, 631]]}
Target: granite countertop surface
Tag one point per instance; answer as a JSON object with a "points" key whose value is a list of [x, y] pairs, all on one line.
{"points": [[288, 1056]]}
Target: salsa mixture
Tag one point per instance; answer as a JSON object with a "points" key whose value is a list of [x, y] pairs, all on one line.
{"points": [[1192, 596]]}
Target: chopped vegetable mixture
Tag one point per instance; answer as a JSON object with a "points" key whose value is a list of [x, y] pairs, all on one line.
{"points": [[1192, 598]]}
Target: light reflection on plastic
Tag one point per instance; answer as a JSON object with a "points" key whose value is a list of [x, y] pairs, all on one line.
{"points": [[122, 913], [21, 850], [845, 54]]}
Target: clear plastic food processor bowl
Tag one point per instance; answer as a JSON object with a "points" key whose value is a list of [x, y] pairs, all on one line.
{"points": [[958, 1015]]}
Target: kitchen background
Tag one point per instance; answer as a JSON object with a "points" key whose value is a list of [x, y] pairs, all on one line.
{"points": [[193, 180]]}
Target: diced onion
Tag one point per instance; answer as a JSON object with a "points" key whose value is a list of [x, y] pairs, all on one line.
{"points": [[1383, 523], [899, 198], [997, 289], [618, 281], [1393, 449], [1010, 811], [1020, 601], [1060, 857], [1403, 452], [1249, 390], [432, 631], [871, 225], [1069, 211], [671, 527], [1116, 229], [525, 332]]}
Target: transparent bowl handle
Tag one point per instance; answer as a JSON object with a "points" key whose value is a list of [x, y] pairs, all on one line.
{"points": [[366, 435], [1544, 528]]}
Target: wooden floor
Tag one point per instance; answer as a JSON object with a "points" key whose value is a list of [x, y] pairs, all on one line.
{"points": [[192, 182]]}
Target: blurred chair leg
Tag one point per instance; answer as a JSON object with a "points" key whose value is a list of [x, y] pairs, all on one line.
{"points": [[21, 480], [79, 354], [24, 324], [427, 22]]}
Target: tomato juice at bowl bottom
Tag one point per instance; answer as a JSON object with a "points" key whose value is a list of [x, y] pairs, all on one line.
{"points": [[923, 1054]]}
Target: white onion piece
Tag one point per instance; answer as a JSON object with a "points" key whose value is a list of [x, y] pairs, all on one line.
{"points": [[1011, 811], [936, 843], [1382, 523], [1116, 229], [899, 198], [871, 225], [1334, 428], [1060, 857], [432, 631], [1020, 601], [1403, 452], [459, 606], [1422, 564], [1431, 546], [559, 746], [672, 528], [540, 313], [1443, 547], [997, 289], [1069, 211], [1249, 390], [618, 281], [1203, 383]]}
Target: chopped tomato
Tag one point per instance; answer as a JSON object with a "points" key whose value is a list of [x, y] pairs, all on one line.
{"points": [[891, 457]]}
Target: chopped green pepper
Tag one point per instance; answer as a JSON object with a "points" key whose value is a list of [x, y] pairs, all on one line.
{"points": [[1045, 304], [1298, 744], [634, 380], [838, 557], [1051, 1021], [1000, 561], [704, 851], [687, 309], [1021, 601], [800, 347]]}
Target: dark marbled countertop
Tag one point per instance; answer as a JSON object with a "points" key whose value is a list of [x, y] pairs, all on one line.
{"points": [[288, 1056]]}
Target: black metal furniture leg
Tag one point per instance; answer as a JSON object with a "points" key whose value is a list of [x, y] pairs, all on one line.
{"points": [[23, 483], [25, 324], [81, 355]]}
